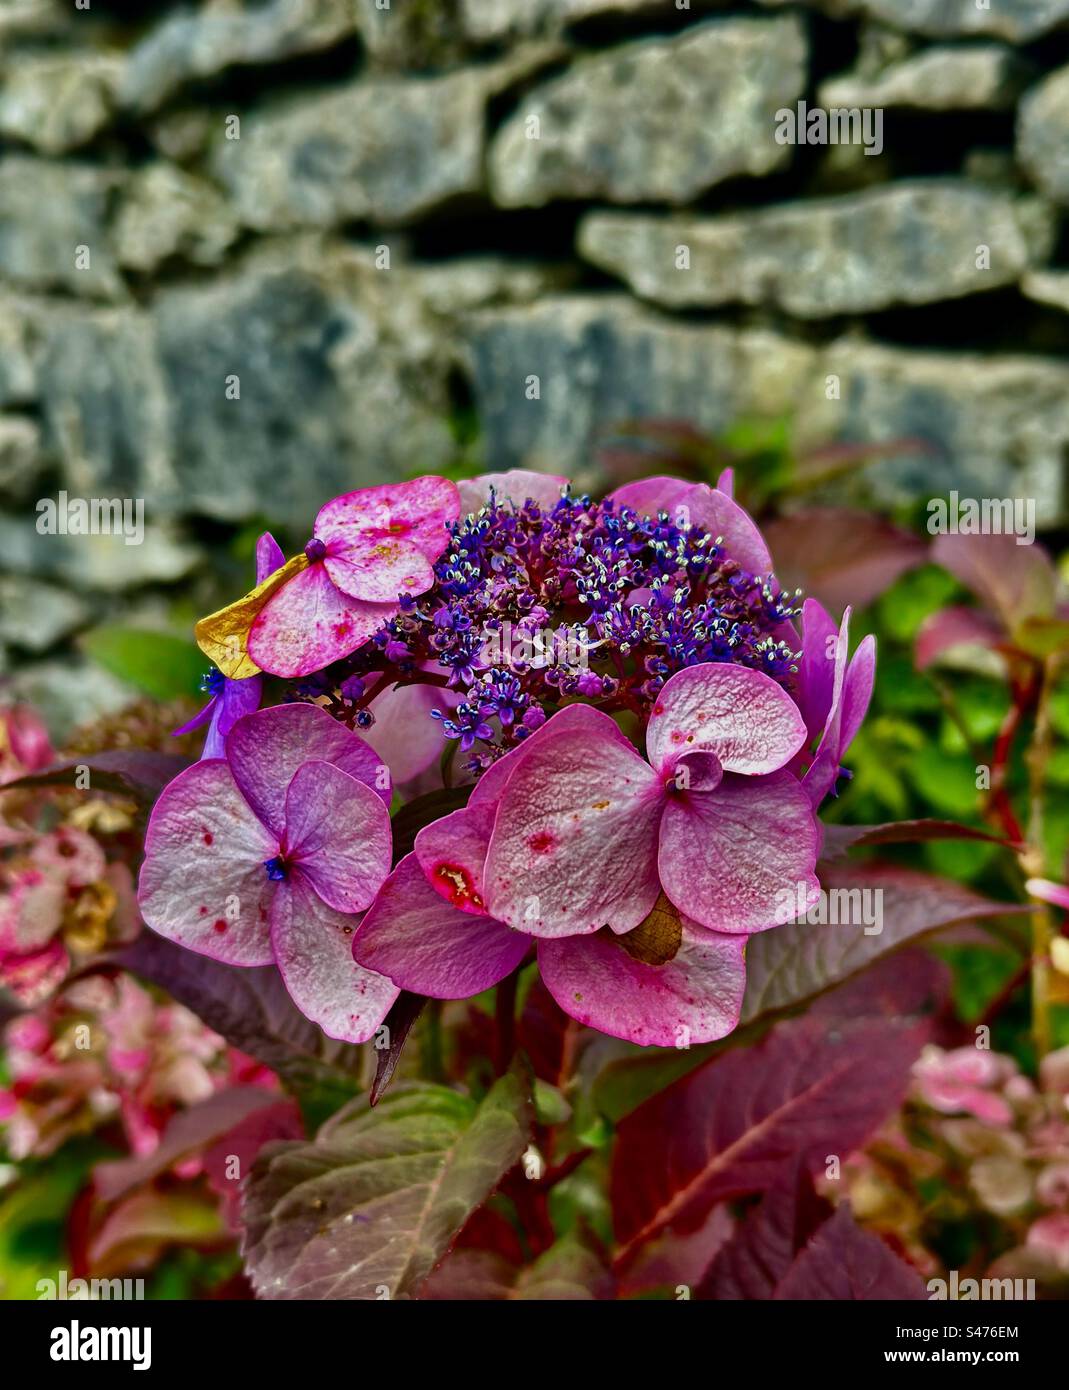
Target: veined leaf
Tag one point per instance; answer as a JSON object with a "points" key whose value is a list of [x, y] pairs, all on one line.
{"points": [[367, 1209]]}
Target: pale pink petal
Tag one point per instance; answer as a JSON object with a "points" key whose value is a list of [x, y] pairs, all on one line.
{"points": [[269, 557], [203, 883], [726, 483], [518, 485], [71, 853], [265, 749], [31, 911], [379, 573], [309, 623], [1057, 894], [574, 843], [404, 735], [750, 723], [412, 935], [649, 496], [418, 513], [720, 515], [313, 948], [338, 832], [694, 998], [729, 858], [31, 979], [452, 854]]}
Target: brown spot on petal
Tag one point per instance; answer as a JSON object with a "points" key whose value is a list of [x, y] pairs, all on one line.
{"points": [[600, 805], [656, 940]]}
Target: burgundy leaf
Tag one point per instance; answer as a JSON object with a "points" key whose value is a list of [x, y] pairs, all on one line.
{"points": [[133, 772], [405, 1010], [1014, 582], [756, 1258], [841, 557], [844, 1263], [813, 1086], [952, 629], [794, 962], [839, 839]]}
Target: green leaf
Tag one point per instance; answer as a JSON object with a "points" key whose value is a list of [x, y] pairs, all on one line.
{"points": [[156, 663], [369, 1207]]}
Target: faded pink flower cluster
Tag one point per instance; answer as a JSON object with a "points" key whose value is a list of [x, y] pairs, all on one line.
{"points": [[630, 823], [102, 1052]]}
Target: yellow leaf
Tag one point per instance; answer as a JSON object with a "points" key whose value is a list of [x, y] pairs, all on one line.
{"points": [[223, 637], [655, 940]]}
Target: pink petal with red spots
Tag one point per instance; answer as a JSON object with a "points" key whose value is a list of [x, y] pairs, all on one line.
{"points": [[518, 485], [574, 843], [730, 858], [425, 946], [416, 513], [750, 723], [203, 883], [309, 623], [338, 832], [452, 854], [492, 783], [265, 749], [313, 948], [693, 998]]}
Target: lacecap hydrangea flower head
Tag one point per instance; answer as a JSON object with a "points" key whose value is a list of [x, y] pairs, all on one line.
{"points": [[628, 725]]}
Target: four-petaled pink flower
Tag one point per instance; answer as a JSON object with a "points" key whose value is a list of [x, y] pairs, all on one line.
{"points": [[265, 855], [569, 842], [368, 549]]}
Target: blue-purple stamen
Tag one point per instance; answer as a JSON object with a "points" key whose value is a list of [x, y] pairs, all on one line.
{"points": [[213, 682], [276, 868]]}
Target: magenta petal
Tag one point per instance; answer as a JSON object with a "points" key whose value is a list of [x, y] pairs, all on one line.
{"points": [[731, 858], [269, 557], [649, 496], [199, 720], [309, 623], [574, 843], [750, 723], [238, 698], [412, 935], [265, 749], [338, 832], [418, 513], [857, 691], [452, 854], [823, 771], [721, 515], [726, 483], [517, 486], [816, 670], [313, 948], [694, 998], [203, 882]]}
